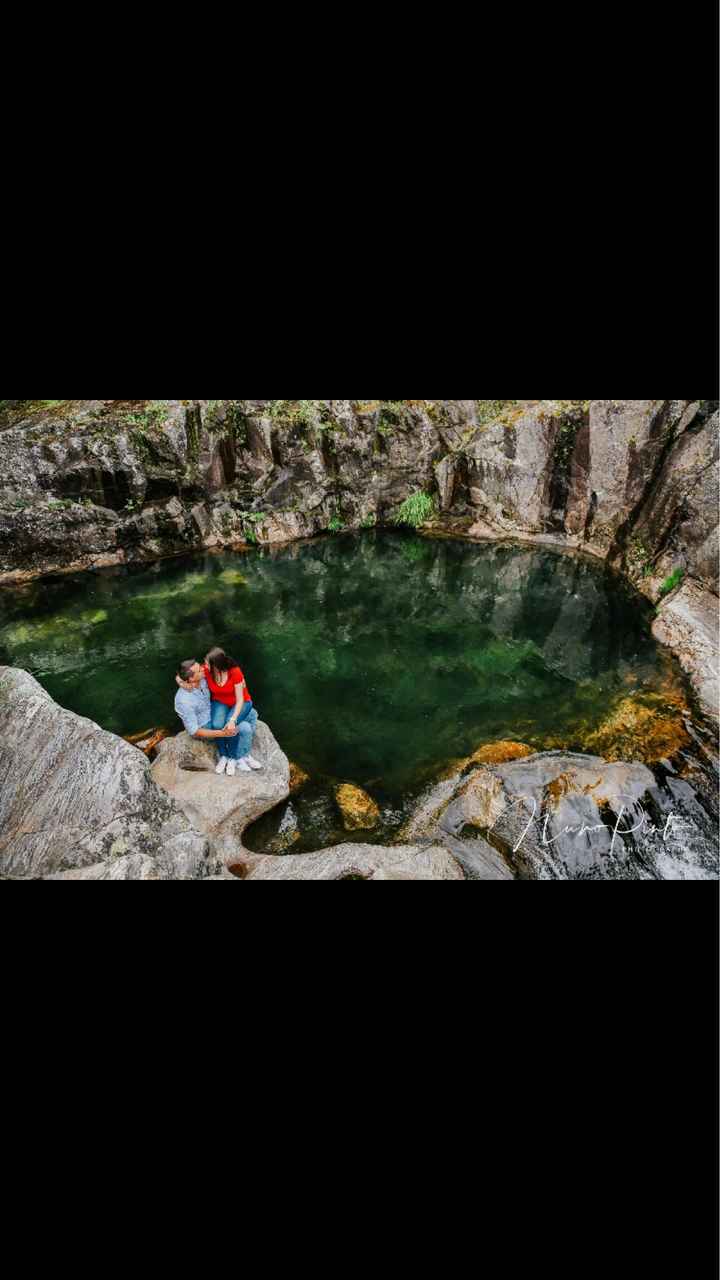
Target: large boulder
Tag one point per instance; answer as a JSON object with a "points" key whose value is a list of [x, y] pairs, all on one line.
{"points": [[219, 806], [359, 811], [77, 801], [567, 816]]}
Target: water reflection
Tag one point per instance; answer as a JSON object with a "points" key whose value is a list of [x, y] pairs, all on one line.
{"points": [[375, 658]]}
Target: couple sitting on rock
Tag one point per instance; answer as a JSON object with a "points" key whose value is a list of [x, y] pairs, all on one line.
{"points": [[213, 703]]}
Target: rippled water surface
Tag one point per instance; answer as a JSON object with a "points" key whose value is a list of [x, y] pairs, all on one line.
{"points": [[375, 658]]}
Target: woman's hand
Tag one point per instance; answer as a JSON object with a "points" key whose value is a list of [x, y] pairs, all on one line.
{"points": [[183, 684]]}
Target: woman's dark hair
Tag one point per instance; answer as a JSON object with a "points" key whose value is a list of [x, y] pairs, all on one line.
{"points": [[219, 660]]}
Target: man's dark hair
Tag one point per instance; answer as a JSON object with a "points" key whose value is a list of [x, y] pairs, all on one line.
{"points": [[185, 669]]}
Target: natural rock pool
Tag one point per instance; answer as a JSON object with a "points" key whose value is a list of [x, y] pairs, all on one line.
{"points": [[377, 659]]}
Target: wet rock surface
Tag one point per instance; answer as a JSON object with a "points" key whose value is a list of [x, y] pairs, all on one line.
{"points": [[568, 816]]}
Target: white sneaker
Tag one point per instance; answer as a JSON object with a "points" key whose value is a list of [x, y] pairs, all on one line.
{"points": [[243, 767], [222, 766], [254, 764], [231, 767]]}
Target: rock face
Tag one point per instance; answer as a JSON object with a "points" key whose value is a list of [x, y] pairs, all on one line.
{"points": [[616, 461], [680, 518], [514, 479], [90, 479], [89, 483], [558, 816], [221, 807], [97, 482], [79, 803], [688, 624]]}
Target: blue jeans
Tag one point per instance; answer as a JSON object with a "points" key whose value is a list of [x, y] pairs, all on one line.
{"points": [[239, 747]]}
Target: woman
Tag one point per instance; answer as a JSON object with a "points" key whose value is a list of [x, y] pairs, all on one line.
{"points": [[231, 705]]}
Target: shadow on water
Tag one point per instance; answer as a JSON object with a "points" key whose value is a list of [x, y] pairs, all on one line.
{"points": [[375, 658]]}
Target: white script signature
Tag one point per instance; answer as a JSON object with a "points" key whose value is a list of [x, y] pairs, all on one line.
{"points": [[584, 829]]}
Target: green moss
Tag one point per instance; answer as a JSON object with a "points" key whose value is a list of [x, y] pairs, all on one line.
{"points": [[671, 583]]}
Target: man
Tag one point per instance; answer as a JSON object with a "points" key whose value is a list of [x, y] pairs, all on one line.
{"points": [[193, 705]]}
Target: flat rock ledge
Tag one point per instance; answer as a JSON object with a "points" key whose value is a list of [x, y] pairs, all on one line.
{"points": [[361, 862]]}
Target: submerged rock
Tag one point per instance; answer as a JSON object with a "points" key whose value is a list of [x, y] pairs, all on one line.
{"points": [[359, 810], [77, 802], [637, 731], [501, 752]]}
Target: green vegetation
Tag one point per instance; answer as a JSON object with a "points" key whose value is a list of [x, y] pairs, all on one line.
{"points": [[250, 523], [416, 510], [153, 416], [672, 582]]}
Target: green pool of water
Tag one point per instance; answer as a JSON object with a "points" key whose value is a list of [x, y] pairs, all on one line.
{"points": [[375, 658]]}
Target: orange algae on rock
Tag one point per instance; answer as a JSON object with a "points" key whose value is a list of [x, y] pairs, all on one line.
{"points": [[298, 778], [501, 753], [635, 730]]}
